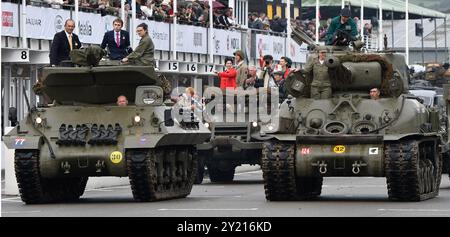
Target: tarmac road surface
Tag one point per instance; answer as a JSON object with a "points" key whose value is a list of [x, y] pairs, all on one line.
{"points": [[348, 197]]}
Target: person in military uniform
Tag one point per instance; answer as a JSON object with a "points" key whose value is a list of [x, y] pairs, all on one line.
{"points": [[143, 55], [241, 68], [343, 22], [122, 100], [321, 84], [374, 94]]}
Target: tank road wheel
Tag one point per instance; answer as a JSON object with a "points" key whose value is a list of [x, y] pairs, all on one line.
{"points": [[413, 170], [278, 172], [34, 189], [163, 173], [217, 175]]}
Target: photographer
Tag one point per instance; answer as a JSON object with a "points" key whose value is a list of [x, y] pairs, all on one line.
{"points": [[265, 77]]}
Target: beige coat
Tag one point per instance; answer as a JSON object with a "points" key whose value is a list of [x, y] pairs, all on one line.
{"points": [[242, 74]]}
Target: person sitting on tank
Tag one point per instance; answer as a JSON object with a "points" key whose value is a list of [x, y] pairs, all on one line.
{"points": [[374, 94], [321, 84], [143, 55], [344, 23], [122, 100]]}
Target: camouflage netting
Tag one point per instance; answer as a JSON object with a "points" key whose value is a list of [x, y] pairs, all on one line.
{"points": [[89, 56], [341, 76]]}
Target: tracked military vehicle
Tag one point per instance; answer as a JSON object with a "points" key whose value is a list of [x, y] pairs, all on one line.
{"points": [[231, 143], [85, 133], [352, 135]]}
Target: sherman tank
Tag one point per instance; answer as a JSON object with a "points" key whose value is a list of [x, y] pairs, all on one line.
{"points": [[351, 134], [84, 133]]}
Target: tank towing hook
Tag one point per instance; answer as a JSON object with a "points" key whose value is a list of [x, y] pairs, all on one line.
{"points": [[357, 167], [322, 166]]}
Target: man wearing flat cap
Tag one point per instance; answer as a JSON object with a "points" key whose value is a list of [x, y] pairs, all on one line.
{"points": [[321, 84], [343, 22], [241, 68]]}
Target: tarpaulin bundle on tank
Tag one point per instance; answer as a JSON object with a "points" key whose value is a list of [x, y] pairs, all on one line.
{"points": [[89, 56]]}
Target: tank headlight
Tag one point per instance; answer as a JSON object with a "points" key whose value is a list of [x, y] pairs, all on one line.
{"points": [[38, 120], [270, 127], [255, 124], [207, 125], [137, 118]]}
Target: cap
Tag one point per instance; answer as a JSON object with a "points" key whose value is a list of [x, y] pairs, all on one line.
{"points": [[346, 12], [322, 51], [239, 53]]}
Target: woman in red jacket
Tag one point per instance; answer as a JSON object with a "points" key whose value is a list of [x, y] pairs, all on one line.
{"points": [[228, 77]]}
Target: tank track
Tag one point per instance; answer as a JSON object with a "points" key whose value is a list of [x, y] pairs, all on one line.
{"points": [[34, 189], [159, 174], [408, 177], [280, 182]]}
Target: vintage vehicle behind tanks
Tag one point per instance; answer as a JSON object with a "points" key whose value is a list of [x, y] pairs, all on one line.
{"points": [[84, 133], [231, 144], [352, 135]]}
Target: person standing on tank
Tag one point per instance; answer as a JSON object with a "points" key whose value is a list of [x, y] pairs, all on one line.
{"points": [[117, 41], [64, 42], [144, 53], [321, 84]]}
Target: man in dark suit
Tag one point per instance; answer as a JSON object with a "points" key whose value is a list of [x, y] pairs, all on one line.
{"points": [[64, 42], [118, 41]]}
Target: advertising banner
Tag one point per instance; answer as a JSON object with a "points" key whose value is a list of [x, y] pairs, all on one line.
{"points": [[10, 19], [225, 43], [191, 39], [90, 28], [159, 32], [298, 52], [43, 23], [273, 45]]}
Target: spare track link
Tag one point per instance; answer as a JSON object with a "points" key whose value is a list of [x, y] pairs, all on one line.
{"points": [[408, 177], [159, 174]]}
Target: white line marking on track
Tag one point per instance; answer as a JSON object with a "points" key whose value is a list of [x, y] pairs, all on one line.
{"points": [[212, 209], [19, 212], [414, 210], [213, 196]]}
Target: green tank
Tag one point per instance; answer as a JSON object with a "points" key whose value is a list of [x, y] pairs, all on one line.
{"points": [[230, 145], [83, 133], [352, 135]]}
